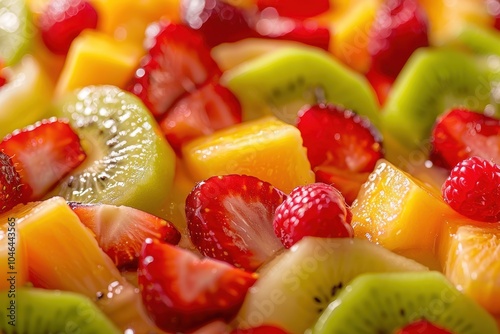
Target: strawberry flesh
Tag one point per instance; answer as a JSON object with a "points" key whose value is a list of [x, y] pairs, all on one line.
{"points": [[298, 9], [43, 154], [181, 291], [422, 327], [210, 108], [120, 230], [11, 190], [230, 218], [347, 182], [264, 329], [460, 133], [178, 62]]}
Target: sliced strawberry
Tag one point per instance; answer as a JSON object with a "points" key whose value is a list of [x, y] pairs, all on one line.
{"points": [[265, 329], [11, 190], [43, 154], [461, 133], [230, 218], [400, 27], [299, 9], [178, 62], [381, 84], [210, 108], [120, 230], [422, 327], [347, 182], [182, 292]]}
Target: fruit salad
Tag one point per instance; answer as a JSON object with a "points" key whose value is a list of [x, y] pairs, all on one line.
{"points": [[250, 166]]}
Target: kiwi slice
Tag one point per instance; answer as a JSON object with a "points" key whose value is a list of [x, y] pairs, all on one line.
{"points": [[40, 311], [296, 286], [431, 82], [128, 161], [382, 303], [16, 30], [478, 39], [284, 81]]}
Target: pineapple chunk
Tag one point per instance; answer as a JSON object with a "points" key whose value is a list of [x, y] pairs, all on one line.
{"points": [[266, 148]]}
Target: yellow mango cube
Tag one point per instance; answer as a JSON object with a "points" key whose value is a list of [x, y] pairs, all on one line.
{"points": [[97, 59], [266, 148]]}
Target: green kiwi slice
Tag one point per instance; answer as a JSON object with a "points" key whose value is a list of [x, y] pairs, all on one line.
{"points": [[284, 81], [128, 161], [431, 82], [478, 39], [39, 311], [16, 30], [295, 287], [382, 303]]}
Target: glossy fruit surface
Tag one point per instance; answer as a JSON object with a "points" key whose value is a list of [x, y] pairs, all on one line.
{"points": [[10, 184]]}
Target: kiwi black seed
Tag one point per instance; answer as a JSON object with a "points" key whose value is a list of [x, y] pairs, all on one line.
{"points": [[39, 311], [382, 303], [297, 286]]}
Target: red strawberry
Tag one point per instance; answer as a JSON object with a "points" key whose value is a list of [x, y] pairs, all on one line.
{"points": [[347, 182], [121, 230], [461, 133], [316, 209], [181, 291], [230, 218], [400, 27], [10, 184], [265, 329], [210, 108], [299, 9], [493, 7], [63, 20], [381, 84], [178, 62], [472, 189], [422, 327], [43, 154]]}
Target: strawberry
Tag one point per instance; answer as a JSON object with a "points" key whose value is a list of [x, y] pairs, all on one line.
{"points": [[472, 189], [400, 27], [264, 329], [63, 20], [120, 230], [461, 133], [178, 62], [493, 7], [210, 108], [316, 209], [10, 184], [43, 154], [422, 327], [381, 84], [347, 182], [299, 9], [230, 218], [181, 292]]}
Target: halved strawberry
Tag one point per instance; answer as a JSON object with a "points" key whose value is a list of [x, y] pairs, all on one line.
{"points": [[120, 230], [182, 291], [210, 108], [299, 9], [11, 188], [230, 218], [347, 182], [460, 133], [178, 62], [43, 154], [422, 327], [264, 329]]}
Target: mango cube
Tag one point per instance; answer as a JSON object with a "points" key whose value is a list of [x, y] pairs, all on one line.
{"points": [[266, 148]]}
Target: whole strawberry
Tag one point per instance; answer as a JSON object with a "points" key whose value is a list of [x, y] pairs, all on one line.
{"points": [[473, 189], [316, 209]]}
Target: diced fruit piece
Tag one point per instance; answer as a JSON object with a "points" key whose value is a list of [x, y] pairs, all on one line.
{"points": [[381, 84], [43, 154], [210, 108], [121, 230], [128, 160], [11, 186], [63, 20], [44, 311], [282, 82], [400, 27], [15, 31], [296, 286], [317, 210], [26, 96], [64, 255], [478, 39], [230, 218], [460, 133], [347, 182], [386, 302], [296, 8], [276, 155], [97, 59], [399, 212], [266, 329], [178, 62], [182, 291], [422, 327], [472, 189]]}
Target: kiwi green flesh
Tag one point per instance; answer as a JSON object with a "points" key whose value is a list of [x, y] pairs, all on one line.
{"points": [[16, 30], [432, 82], [477, 39], [385, 302], [128, 160], [295, 287], [284, 81], [39, 311]]}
